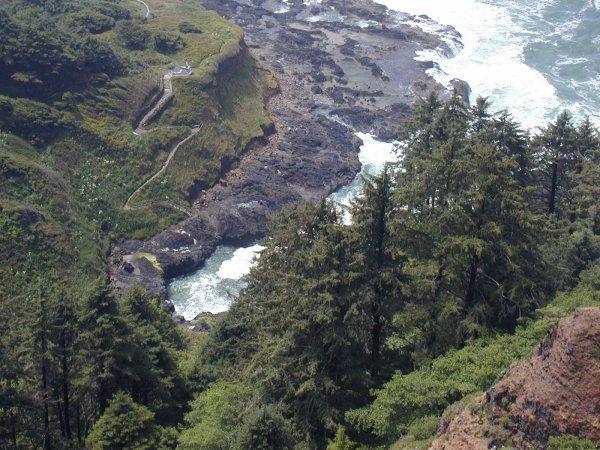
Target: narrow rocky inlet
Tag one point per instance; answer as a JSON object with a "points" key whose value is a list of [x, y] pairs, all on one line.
{"points": [[341, 67]]}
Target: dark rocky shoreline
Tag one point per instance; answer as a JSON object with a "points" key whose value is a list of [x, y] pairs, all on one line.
{"points": [[337, 61]]}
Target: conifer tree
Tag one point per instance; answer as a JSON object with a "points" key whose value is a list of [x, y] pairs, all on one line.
{"points": [[309, 329], [559, 154], [157, 381], [41, 345], [125, 425], [105, 347], [463, 217], [380, 262], [64, 334]]}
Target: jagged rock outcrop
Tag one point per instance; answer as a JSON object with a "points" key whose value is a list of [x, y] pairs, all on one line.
{"points": [[555, 392], [338, 63]]}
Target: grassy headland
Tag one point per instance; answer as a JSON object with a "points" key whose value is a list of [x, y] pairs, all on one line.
{"points": [[76, 78]]}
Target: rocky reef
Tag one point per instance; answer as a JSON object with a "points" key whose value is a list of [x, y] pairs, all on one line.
{"points": [[555, 392], [341, 66]]}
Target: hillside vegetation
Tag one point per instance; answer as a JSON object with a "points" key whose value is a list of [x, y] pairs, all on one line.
{"points": [[451, 270], [457, 261], [75, 77]]}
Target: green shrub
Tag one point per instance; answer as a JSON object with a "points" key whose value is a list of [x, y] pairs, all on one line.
{"points": [[187, 27], [264, 429], [29, 119], [410, 399], [124, 424], [93, 22], [132, 36], [569, 442], [341, 441], [215, 413], [166, 42], [424, 427]]}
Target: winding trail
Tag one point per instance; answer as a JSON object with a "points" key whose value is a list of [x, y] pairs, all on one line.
{"points": [[143, 3], [164, 167], [181, 71]]}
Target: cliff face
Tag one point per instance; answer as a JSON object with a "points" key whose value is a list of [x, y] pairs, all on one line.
{"points": [[555, 392]]}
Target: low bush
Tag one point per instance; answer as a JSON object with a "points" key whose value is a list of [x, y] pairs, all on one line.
{"points": [[409, 402], [132, 36], [187, 27]]}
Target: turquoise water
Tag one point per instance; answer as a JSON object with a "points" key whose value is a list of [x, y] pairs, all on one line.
{"points": [[565, 48], [534, 57]]}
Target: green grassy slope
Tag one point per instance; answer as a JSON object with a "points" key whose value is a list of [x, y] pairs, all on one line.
{"points": [[69, 158]]}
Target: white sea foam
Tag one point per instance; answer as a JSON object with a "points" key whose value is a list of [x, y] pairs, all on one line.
{"points": [[212, 288], [492, 58], [373, 156], [240, 263], [284, 8]]}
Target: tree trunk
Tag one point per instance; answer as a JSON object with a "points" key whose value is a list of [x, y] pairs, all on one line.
{"points": [[59, 414], [78, 419], [376, 344], [475, 260], [13, 429], [470, 297], [380, 230], [65, 387], [553, 187], [439, 278], [47, 444]]}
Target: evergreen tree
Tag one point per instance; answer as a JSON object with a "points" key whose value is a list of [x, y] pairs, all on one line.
{"points": [[15, 393], [214, 417], [559, 154], [462, 215], [42, 352], [586, 177], [63, 335], [125, 425], [341, 441], [308, 327], [380, 264], [106, 349], [157, 381]]}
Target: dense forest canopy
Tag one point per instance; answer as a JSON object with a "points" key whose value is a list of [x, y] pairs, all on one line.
{"points": [[457, 261], [359, 333]]}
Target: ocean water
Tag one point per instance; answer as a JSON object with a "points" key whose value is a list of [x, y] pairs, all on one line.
{"points": [[215, 285], [212, 288], [373, 156], [532, 57]]}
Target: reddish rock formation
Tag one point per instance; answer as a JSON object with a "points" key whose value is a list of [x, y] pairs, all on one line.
{"points": [[556, 391], [466, 430]]}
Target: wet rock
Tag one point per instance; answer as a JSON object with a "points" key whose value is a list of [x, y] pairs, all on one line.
{"points": [[201, 326], [203, 322], [168, 306], [178, 320], [362, 76], [462, 89]]}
